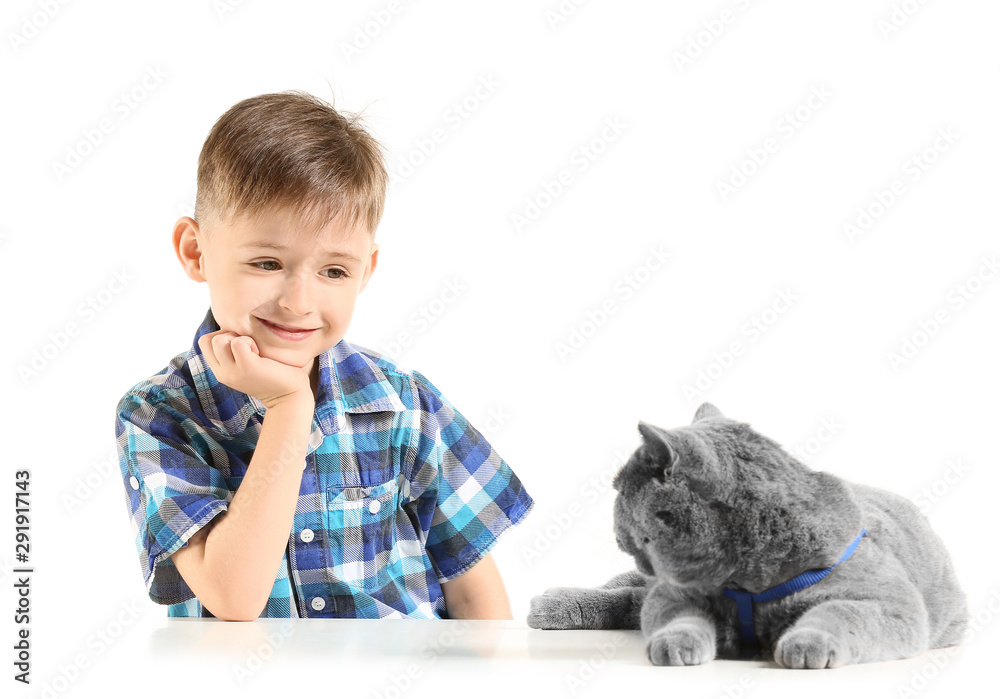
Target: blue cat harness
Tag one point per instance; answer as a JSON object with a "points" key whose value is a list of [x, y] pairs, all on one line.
{"points": [[745, 600]]}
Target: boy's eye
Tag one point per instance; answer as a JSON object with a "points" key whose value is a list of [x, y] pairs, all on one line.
{"points": [[334, 273], [266, 265]]}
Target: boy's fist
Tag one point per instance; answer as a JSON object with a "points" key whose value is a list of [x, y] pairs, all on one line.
{"points": [[236, 362]]}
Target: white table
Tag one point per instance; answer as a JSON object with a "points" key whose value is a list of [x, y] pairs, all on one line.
{"points": [[391, 659]]}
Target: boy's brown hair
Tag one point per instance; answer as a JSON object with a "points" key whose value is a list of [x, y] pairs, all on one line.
{"points": [[291, 149]]}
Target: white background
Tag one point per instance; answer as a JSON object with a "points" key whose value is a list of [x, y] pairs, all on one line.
{"points": [[819, 379]]}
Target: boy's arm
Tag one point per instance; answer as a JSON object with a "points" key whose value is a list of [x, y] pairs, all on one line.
{"points": [[230, 564], [478, 593]]}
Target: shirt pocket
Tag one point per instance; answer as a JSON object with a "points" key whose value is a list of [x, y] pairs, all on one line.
{"points": [[361, 525]]}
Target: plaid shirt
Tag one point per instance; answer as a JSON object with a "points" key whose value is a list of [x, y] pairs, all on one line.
{"points": [[399, 492]]}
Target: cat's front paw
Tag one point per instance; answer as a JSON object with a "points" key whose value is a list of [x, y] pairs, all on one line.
{"points": [[558, 608], [681, 643], [809, 648]]}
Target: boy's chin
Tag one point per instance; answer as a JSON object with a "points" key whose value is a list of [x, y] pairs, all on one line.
{"points": [[295, 359]]}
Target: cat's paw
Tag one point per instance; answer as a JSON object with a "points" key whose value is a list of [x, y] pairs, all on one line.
{"points": [[681, 643], [809, 648], [558, 608]]}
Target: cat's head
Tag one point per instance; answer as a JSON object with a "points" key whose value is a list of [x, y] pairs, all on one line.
{"points": [[716, 504]]}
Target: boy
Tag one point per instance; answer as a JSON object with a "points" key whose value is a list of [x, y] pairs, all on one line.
{"points": [[275, 469]]}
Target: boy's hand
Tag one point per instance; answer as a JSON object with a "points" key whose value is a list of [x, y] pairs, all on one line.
{"points": [[236, 362]]}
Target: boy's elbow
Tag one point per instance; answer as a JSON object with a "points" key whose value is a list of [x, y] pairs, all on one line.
{"points": [[228, 604], [234, 611], [236, 617], [223, 596]]}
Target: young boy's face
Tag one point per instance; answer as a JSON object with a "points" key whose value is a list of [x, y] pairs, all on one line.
{"points": [[291, 290]]}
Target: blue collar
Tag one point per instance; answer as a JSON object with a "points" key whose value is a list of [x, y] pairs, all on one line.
{"points": [[746, 600]]}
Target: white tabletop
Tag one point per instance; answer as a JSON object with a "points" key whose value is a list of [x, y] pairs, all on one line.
{"points": [[390, 659]]}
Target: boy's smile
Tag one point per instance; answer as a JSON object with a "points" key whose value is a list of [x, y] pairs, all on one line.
{"points": [[287, 332], [292, 290]]}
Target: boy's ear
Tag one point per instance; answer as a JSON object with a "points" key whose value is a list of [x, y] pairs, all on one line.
{"points": [[373, 261], [188, 246]]}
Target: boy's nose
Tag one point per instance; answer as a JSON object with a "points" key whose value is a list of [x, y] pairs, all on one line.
{"points": [[294, 296]]}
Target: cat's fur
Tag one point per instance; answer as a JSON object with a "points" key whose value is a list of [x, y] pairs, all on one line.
{"points": [[715, 504]]}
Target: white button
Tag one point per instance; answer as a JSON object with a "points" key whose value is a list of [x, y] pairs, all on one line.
{"points": [[134, 482], [306, 535], [375, 507], [318, 603]]}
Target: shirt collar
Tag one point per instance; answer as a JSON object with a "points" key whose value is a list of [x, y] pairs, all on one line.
{"points": [[349, 382]]}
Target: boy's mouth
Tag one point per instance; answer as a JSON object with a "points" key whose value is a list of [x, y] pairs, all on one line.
{"points": [[287, 332]]}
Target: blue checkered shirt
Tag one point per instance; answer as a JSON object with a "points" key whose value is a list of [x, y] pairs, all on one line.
{"points": [[399, 492]]}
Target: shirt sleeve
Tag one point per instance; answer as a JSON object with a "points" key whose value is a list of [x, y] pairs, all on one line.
{"points": [[477, 494], [171, 491]]}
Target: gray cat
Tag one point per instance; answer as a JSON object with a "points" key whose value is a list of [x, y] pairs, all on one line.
{"points": [[719, 518]]}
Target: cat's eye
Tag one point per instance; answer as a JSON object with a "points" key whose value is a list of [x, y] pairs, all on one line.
{"points": [[665, 516]]}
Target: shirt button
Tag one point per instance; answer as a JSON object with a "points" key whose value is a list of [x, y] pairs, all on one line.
{"points": [[318, 603], [134, 482], [375, 507], [306, 536]]}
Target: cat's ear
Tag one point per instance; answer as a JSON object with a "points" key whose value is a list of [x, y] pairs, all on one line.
{"points": [[658, 442], [706, 410]]}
